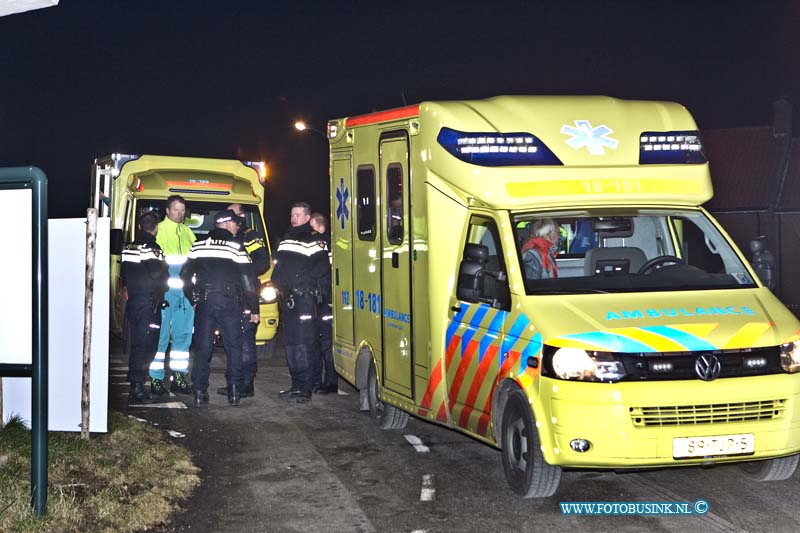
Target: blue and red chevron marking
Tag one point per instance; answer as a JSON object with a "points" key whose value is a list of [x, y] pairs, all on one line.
{"points": [[510, 357]]}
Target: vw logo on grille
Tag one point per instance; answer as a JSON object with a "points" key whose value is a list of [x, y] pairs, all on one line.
{"points": [[707, 367]]}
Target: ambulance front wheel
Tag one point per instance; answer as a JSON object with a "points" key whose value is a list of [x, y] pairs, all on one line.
{"points": [[777, 469], [526, 471], [384, 416]]}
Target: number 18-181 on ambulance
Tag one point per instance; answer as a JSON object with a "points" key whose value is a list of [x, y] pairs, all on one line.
{"points": [[538, 272]]}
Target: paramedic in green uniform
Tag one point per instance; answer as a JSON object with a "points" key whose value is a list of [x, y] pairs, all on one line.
{"points": [[177, 319]]}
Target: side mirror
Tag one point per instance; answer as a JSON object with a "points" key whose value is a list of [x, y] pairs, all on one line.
{"points": [[763, 262], [470, 273], [470, 281], [117, 242]]}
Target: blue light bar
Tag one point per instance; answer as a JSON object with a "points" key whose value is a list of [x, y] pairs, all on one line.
{"points": [[497, 149], [671, 148]]}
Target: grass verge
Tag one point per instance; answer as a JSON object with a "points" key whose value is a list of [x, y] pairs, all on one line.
{"points": [[128, 479]]}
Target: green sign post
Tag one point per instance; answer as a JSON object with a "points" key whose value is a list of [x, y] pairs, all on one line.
{"points": [[23, 351]]}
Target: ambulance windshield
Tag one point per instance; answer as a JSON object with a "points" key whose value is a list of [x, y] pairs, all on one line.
{"points": [[200, 215], [625, 250]]}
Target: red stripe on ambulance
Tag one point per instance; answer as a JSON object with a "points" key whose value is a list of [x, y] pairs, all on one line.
{"points": [[383, 116], [477, 383]]}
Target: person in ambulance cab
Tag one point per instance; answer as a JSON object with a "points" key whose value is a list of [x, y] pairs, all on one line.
{"points": [[539, 252]]}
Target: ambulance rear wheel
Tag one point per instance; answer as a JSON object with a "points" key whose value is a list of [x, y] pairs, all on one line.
{"points": [[777, 469], [384, 416], [526, 471]]}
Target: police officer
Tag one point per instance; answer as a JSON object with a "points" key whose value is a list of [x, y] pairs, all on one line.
{"points": [[301, 268], [257, 250], [144, 273], [175, 239], [218, 278], [330, 382]]}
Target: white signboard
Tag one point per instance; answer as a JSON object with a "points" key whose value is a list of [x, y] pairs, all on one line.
{"points": [[66, 295], [16, 320]]}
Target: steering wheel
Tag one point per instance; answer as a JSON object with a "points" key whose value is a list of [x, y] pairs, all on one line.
{"points": [[657, 262]]}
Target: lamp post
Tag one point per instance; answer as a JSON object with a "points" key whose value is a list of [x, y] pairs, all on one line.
{"points": [[303, 126]]}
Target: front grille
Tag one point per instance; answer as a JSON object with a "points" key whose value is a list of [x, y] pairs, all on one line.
{"points": [[733, 363], [717, 413]]}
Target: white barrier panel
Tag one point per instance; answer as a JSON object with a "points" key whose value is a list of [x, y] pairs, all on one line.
{"points": [[16, 329], [66, 294]]}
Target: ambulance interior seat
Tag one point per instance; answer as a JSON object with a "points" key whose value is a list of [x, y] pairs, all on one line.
{"points": [[614, 260]]}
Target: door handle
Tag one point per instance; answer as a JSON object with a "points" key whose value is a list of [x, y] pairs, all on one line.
{"points": [[395, 260]]}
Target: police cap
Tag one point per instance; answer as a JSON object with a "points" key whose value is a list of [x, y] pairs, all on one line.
{"points": [[226, 215]]}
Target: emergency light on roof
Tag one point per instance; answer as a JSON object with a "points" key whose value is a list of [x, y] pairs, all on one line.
{"points": [[671, 148], [497, 149]]}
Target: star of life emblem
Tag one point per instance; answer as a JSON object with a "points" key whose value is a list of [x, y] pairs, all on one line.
{"points": [[594, 139], [342, 195]]}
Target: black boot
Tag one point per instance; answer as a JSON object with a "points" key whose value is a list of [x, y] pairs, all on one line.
{"points": [[138, 395], [234, 394], [200, 398], [248, 390], [179, 384], [159, 393]]}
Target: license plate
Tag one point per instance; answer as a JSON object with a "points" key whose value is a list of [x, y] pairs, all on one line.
{"points": [[713, 445]]}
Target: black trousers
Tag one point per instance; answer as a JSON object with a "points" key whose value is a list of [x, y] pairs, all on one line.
{"points": [[221, 310], [249, 357], [324, 373], [144, 327], [299, 323]]}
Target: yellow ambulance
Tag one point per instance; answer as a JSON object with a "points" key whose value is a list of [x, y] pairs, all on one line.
{"points": [[135, 184], [538, 272]]}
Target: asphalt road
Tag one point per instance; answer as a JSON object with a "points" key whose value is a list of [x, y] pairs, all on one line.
{"points": [[270, 466]]}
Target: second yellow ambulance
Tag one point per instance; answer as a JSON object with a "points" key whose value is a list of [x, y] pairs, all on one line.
{"points": [[649, 343]]}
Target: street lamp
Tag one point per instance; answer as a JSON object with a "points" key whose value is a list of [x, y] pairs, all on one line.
{"points": [[303, 126]]}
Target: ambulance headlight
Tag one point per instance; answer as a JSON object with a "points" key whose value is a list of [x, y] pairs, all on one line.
{"points": [[268, 294], [580, 365], [790, 356], [494, 149], [671, 148]]}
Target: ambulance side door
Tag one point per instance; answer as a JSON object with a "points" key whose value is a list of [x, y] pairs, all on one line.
{"points": [[475, 336], [342, 247], [396, 282]]}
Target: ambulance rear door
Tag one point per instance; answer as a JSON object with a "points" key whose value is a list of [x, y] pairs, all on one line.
{"points": [[342, 242], [396, 280]]}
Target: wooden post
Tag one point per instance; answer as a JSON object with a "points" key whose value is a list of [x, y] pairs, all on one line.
{"points": [[91, 242]]}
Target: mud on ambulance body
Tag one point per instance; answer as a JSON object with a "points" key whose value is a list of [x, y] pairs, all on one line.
{"points": [[656, 345], [136, 184]]}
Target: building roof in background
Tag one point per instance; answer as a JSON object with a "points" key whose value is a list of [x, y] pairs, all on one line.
{"points": [[790, 198], [746, 166]]}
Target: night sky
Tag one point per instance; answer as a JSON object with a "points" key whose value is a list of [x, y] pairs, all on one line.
{"points": [[228, 79]]}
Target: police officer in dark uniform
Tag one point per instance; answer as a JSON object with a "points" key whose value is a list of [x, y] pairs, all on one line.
{"points": [[145, 275], [301, 268], [327, 382], [257, 250], [218, 278]]}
